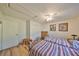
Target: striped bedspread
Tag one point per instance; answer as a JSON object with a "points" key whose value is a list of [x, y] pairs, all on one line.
{"points": [[54, 47]]}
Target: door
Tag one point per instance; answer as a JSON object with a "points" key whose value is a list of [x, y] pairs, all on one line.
{"points": [[0, 34], [10, 34]]}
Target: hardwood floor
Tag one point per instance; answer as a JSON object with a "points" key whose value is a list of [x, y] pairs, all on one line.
{"points": [[15, 51]]}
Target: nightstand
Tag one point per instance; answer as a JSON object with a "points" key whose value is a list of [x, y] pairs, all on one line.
{"points": [[44, 34]]}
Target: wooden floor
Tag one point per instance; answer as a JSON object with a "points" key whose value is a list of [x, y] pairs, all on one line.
{"points": [[15, 51]]}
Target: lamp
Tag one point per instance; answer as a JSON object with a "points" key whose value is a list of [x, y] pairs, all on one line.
{"points": [[74, 36]]}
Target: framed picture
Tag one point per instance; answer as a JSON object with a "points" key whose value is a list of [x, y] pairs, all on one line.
{"points": [[53, 27], [63, 27]]}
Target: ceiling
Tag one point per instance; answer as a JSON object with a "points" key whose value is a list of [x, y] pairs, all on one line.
{"points": [[38, 11]]}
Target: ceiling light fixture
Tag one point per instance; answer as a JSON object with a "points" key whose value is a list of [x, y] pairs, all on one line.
{"points": [[48, 17]]}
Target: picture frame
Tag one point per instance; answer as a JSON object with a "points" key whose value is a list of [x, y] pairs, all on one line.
{"points": [[63, 27], [53, 27]]}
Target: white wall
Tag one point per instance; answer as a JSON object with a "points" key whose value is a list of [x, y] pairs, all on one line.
{"points": [[73, 28], [35, 29]]}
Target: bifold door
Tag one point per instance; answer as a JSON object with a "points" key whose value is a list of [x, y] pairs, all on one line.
{"points": [[10, 34]]}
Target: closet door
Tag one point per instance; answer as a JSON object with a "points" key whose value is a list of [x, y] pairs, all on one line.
{"points": [[10, 34], [0, 34]]}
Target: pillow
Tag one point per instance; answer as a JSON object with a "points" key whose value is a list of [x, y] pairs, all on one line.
{"points": [[51, 39], [75, 44]]}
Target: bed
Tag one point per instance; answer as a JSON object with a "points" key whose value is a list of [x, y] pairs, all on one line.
{"points": [[53, 46]]}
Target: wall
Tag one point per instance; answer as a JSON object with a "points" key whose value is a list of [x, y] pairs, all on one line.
{"points": [[73, 28], [35, 29]]}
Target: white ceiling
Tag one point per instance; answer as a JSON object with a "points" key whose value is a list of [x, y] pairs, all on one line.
{"points": [[38, 11]]}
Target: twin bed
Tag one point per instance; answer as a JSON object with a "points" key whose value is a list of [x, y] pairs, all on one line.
{"points": [[52, 46]]}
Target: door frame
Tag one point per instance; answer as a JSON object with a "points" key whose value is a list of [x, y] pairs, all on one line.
{"points": [[1, 23]]}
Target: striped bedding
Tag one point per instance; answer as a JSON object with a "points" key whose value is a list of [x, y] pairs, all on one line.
{"points": [[53, 47]]}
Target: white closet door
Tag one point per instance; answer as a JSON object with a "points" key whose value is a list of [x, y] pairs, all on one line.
{"points": [[10, 34], [0, 34]]}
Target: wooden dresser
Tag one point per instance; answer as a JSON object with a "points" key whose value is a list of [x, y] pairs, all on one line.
{"points": [[44, 34]]}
